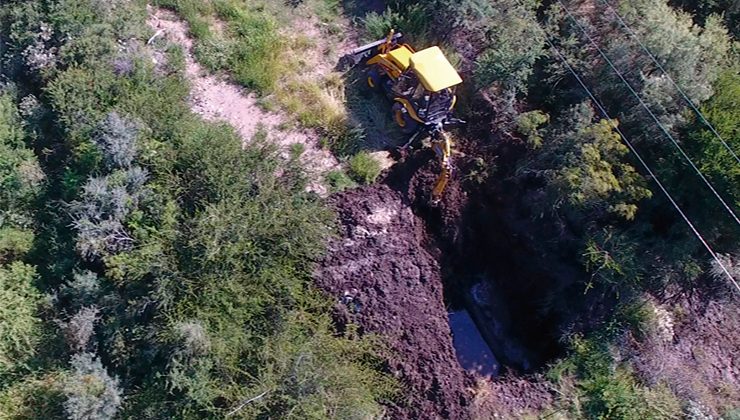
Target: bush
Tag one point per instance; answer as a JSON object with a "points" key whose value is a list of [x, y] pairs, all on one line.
{"points": [[19, 324], [116, 139], [80, 328], [91, 393], [100, 213], [83, 290], [39, 56], [607, 389], [339, 181], [529, 124], [34, 397], [20, 175], [363, 168], [413, 21], [14, 243]]}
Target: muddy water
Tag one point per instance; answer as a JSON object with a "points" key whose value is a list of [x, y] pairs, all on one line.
{"points": [[472, 350]]}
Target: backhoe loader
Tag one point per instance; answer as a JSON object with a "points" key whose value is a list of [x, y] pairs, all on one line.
{"points": [[421, 85]]}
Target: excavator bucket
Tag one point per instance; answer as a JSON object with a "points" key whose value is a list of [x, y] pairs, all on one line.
{"points": [[357, 55]]}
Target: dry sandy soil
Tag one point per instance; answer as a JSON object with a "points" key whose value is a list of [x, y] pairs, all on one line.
{"points": [[215, 98]]}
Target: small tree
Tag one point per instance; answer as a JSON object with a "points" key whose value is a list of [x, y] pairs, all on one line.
{"points": [[584, 165], [100, 213], [80, 328], [92, 394], [116, 138]]}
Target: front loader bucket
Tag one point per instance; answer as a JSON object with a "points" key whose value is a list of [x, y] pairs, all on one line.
{"points": [[357, 55]]}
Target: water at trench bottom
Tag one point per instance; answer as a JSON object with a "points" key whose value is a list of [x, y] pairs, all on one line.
{"points": [[472, 350]]}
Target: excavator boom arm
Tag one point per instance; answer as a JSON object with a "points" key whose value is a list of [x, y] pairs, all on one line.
{"points": [[443, 149]]}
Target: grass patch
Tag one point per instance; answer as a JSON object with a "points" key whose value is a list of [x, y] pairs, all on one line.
{"points": [[285, 69], [592, 384], [363, 168], [250, 47], [255, 56], [339, 181]]}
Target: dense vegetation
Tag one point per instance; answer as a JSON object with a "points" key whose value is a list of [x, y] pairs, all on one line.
{"points": [[151, 266]]}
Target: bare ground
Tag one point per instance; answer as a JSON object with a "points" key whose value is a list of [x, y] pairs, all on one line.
{"points": [[217, 99], [387, 283]]}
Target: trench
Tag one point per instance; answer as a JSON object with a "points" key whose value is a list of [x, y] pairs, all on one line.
{"points": [[493, 334], [508, 294], [505, 305]]}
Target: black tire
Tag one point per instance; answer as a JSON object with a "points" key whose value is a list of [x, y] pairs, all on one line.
{"points": [[405, 123], [375, 79]]}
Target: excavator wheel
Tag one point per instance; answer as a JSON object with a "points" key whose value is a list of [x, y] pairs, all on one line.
{"points": [[374, 79], [407, 124]]}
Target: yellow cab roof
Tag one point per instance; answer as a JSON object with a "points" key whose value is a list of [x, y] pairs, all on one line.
{"points": [[433, 69]]}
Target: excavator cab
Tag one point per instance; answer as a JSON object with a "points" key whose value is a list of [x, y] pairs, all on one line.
{"points": [[421, 85]]}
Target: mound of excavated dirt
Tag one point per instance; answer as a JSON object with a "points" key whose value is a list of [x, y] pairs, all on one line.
{"points": [[387, 283]]}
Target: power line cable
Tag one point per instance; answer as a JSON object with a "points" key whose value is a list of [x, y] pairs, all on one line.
{"points": [[680, 90], [665, 131], [642, 162]]}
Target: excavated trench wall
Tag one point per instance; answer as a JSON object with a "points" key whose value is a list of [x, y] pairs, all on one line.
{"points": [[399, 264], [488, 265]]}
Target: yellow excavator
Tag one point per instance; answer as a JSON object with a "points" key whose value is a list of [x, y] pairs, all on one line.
{"points": [[421, 85]]}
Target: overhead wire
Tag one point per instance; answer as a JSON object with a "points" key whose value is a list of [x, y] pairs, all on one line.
{"points": [[644, 164], [680, 90], [665, 131]]}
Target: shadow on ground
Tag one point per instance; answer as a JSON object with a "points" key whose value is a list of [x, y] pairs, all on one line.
{"points": [[372, 111]]}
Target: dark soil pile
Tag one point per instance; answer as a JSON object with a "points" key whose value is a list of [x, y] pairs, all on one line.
{"points": [[387, 283]]}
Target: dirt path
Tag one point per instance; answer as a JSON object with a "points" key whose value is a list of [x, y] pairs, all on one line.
{"points": [[217, 99]]}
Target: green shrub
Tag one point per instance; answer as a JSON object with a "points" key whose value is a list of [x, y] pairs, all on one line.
{"points": [[14, 242], [339, 181], [363, 168], [596, 386], [34, 397], [529, 124], [413, 21], [19, 323], [20, 175]]}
